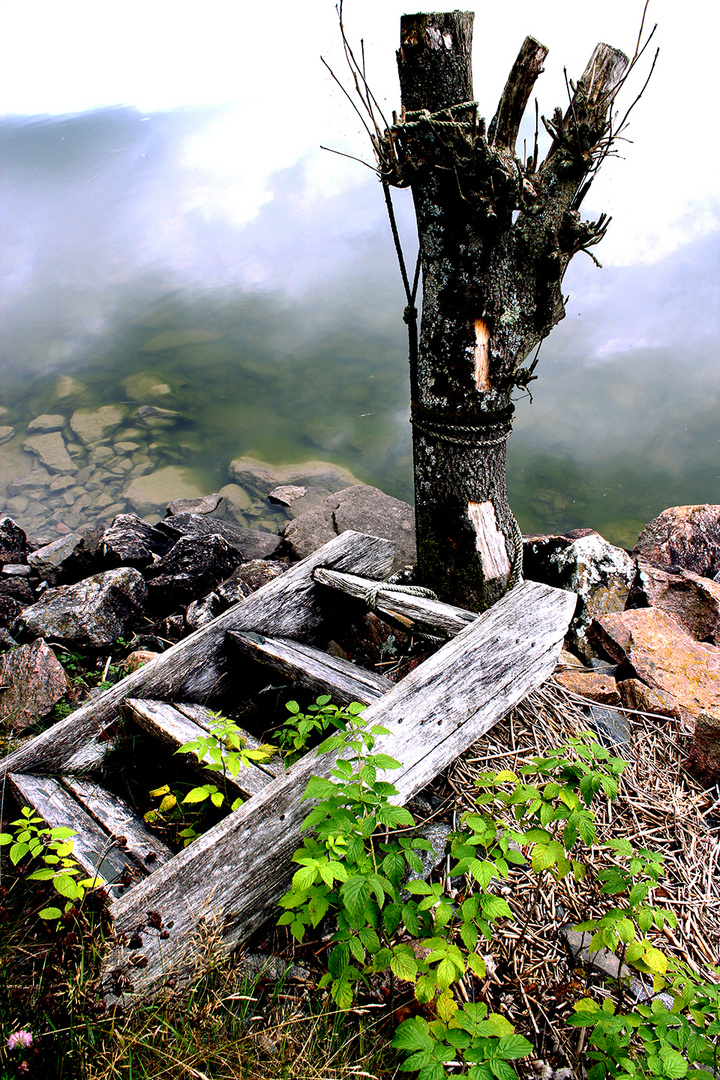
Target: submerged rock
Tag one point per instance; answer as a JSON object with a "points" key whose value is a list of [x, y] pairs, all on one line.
{"points": [[93, 425], [47, 422], [683, 536], [32, 679], [152, 491], [94, 612]]}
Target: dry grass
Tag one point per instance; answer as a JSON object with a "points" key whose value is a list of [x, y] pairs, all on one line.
{"points": [[660, 806]]}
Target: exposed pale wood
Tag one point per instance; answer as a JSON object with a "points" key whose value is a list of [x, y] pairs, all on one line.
{"points": [[93, 847], [320, 672], [117, 818], [414, 612], [233, 875], [489, 540], [289, 606], [170, 727], [504, 127]]}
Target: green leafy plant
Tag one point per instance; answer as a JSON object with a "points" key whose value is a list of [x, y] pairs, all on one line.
{"points": [[226, 752], [33, 840], [654, 1040], [296, 733], [359, 869]]}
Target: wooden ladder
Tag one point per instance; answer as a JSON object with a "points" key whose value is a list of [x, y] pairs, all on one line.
{"points": [[230, 878]]}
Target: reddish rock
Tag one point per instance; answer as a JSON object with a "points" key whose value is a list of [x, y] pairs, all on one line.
{"points": [[664, 656], [692, 600], [32, 679], [705, 753], [636, 695], [138, 659], [589, 684], [683, 536]]}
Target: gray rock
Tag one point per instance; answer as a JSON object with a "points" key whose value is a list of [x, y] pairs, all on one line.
{"points": [[248, 543], [365, 509], [94, 612], [47, 422], [287, 494], [93, 425], [201, 612], [17, 569], [192, 568], [247, 579], [49, 561], [13, 542], [610, 725], [32, 679], [585, 563], [126, 447], [6, 434], [130, 541], [209, 504]]}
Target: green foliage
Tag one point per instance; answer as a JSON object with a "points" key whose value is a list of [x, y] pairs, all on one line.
{"points": [[33, 840], [299, 728], [223, 751], [358, 867]]}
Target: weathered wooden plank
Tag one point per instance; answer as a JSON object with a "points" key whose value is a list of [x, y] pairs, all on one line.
{"points": [[93, 847], [170, 727], [413, 612], [320, 672], [289, 606], [203, 716], [117, 818], [234, 874]]}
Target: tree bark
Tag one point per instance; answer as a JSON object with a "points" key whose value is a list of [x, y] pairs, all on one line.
{"points": [[495, 238]]}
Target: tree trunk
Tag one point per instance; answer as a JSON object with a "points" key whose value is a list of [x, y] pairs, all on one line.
{"points": [[495, 237]]}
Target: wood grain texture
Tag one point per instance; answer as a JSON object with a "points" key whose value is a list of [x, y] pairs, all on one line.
{"points": [[117, 818], [92, 845], [233, 875], [415, 613], [171, 728], [504, 127], [320, 672], [289, 606]]}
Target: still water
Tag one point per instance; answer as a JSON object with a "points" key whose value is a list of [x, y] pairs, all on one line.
{"points": [[148, 341]]}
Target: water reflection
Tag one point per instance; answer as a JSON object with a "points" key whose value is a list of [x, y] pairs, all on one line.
{"points": [[147, 342]]}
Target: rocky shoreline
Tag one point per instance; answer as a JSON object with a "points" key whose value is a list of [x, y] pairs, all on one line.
{"points": [[646, 634]]}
